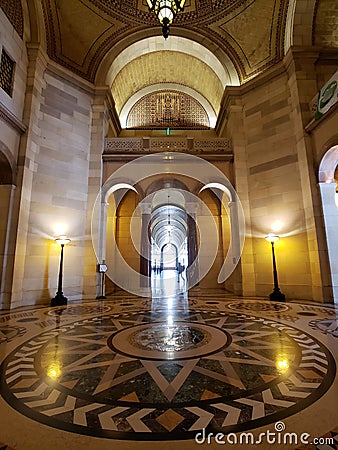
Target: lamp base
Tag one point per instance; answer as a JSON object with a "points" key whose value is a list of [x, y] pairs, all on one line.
{"points": [[277, 296], [59, 300], [101, 297]]}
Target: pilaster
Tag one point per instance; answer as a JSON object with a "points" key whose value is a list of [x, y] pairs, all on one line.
{"points": [[29, 147], [244, 276], [300, 66], [100, 121]]}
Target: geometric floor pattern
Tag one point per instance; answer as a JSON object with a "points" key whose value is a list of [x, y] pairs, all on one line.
{"points": [[137, 370]]}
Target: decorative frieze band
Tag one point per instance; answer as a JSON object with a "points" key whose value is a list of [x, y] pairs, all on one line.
{"points": [[167, 144], [113, 145]]}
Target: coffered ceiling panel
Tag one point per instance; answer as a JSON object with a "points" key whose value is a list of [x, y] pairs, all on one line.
{"points": [[254, 44], [77, 34]]}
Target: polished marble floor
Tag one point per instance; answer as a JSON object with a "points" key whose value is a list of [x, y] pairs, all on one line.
{"points": [[131, 372]]}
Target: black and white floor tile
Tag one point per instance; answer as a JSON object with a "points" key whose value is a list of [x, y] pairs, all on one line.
{"points": [[136, 370]]}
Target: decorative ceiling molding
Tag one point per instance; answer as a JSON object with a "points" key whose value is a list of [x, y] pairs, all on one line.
{"points": [[13, 11], [228, 74], [81, 33]]}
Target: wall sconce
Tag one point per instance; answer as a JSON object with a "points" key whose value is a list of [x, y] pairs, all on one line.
{"points": [[59, 298], [276, 295]]}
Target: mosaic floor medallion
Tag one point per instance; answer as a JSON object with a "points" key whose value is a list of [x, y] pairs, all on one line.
{"points": [[148, 375], [169, 341]]}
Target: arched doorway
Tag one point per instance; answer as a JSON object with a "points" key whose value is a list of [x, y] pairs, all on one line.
{"points": [[6, 253], [169, 257], [193, 222], [328, 182], [120, 203]]}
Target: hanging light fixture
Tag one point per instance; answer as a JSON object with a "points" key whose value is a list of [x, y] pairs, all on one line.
{"points": [[165, 11]]}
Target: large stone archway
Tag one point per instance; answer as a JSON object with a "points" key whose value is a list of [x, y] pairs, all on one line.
{"points": [[6, 251], [328, 190]]}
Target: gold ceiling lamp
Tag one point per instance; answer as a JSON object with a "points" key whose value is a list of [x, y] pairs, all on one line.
{"points": [[165, 11]]}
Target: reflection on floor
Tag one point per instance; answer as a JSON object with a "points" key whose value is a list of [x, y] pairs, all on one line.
{"points": [[141, 370]]}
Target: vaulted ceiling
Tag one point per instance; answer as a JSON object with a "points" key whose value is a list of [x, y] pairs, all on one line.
{"points": [[81, 32], [212, 43]]}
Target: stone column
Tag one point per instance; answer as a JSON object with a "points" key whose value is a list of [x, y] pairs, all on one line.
{"points": [[243, 278], [300, 66], [28, 150], [100, 118]]}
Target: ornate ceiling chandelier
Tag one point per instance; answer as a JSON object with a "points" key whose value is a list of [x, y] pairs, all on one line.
{"points": [[165, 11]]}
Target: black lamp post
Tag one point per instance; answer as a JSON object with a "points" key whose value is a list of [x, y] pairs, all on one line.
{"points": [[276, 295], [59, 298]]}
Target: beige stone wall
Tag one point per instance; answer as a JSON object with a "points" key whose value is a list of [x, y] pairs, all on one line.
{"points": [[276, 164], [58, 194], [274, 189], [275, 179]]}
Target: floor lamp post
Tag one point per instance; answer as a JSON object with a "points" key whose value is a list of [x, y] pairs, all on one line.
{"points": [[60, 299], [276, 295]]}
